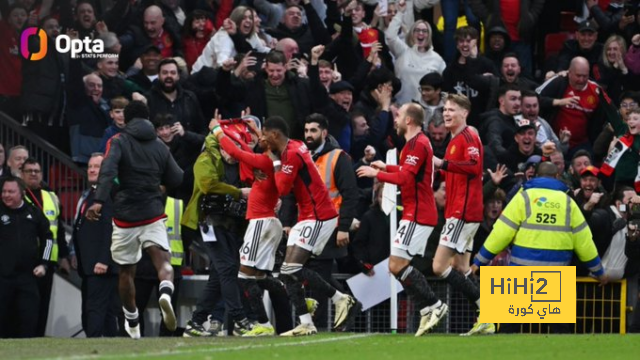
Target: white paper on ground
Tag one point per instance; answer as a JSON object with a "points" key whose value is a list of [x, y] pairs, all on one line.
{"points": [[372, 290], [209, 235]]}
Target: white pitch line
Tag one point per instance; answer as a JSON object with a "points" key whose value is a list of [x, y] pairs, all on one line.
{"points": [[210, 350]]}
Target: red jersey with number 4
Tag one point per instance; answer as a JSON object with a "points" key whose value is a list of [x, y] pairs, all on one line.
{"points": [[414, 175], [463, 177], [298, 171]]}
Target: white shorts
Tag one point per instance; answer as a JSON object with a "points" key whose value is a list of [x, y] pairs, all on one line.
{"points": [[410, 240], [261, 243], [458, 235], [127, 243], [312, 235]]}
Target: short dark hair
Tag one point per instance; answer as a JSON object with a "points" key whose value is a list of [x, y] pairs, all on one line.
{"points": [[581, 153], [162, 119], [378, 77], [618, 194], [166, 61], [30, 161], [506, 88], [320, 119], [276, 57], [432, 79], [530, 93], [276, 123], [510, 55], [135, 109], [21, 184], [466, 31]]}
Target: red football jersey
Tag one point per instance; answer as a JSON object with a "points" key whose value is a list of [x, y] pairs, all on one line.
{"points": [[262, 199], [298, 171], [576, 117], [415, 178], [463, 177]]}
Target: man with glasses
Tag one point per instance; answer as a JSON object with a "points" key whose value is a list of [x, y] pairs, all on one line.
{"points": [[47, 201]]}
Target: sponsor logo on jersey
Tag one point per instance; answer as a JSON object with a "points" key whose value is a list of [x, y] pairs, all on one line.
{"points": [[287, 169], [473, 151], [412, 160]]}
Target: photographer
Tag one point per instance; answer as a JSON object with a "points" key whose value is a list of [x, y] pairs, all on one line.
{"points": [[616, 233], [217, 187]]}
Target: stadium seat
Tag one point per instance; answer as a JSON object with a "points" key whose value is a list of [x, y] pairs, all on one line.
{"points": [[567, 23], [553, 43]]}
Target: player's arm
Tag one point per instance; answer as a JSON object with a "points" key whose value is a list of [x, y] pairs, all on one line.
{"points": [[413, 161], [256, 161], [583, 244], [503, 231], [285, 173], [471, 165], [108, 170], [392, 168]]}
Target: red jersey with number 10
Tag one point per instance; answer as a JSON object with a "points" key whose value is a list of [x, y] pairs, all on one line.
{"points": [[298, 171], [415, 178], [463, 177]]}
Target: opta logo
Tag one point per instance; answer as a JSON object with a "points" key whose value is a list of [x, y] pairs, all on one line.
{"points": [[24, 44], [86, 48]]}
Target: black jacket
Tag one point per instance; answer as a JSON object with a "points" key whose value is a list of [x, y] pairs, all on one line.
{"points": [[371, 243], [308, 35], [498, 132], [571, 49], [25, 240], [135, 41], [252, 94], [185, 108], [92, 239], [455, 83], [141, 163]]}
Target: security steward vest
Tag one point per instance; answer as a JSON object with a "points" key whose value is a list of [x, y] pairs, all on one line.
{"points": [[51, 210], [173, 210], [326, 164]]}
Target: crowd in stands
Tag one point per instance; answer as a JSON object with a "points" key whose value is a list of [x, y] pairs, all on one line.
{"points": [[355, 62]]}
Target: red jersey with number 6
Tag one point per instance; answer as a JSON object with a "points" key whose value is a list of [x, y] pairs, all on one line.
{"points": [[298, 171], [415, 178], [463, 177]]}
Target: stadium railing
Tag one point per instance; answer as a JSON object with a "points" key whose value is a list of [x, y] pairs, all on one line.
{"points": [[60, 173], [599, 310]]}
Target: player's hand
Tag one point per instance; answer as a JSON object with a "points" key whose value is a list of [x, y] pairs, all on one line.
{"points": [[379, 165], [245, 192], [367, 171], [93, 214], [39, 271], [499, 175], [100, 269], [215, 121], [342, 239]]}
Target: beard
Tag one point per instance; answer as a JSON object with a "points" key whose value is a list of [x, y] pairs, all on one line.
{"points": [[168, 88], [312, 144]]}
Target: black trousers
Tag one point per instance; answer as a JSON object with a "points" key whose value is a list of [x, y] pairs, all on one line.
{"points": [[19, 300], [45, 285], [100, 305]]}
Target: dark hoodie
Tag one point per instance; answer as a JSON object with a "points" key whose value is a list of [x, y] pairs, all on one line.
{"points": [[141, 163], [496, 56]]}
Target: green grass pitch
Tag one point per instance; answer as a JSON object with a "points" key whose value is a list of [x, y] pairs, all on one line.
{"points": [[333, 346]]}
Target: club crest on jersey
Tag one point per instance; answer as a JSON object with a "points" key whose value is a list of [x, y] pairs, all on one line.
{"points": [[453, 150], [412, 160], [287, 169]]}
